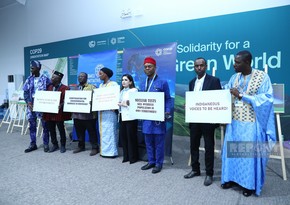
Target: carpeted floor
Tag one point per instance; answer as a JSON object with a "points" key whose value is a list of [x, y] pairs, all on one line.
{"points": [[54, 178]]}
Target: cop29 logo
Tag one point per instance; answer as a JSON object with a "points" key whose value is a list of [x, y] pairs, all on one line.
{"points": [[158, 51], [35, 51], [92, 44], [163, 51]]}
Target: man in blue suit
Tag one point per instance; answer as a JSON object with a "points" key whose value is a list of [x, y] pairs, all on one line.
{"points": [[154, 131], [202, 82]]}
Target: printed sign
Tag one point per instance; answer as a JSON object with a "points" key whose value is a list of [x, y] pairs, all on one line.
{"points": [[106, 98], [46, 101], [77, 101], [147, 105], [210, 106]]}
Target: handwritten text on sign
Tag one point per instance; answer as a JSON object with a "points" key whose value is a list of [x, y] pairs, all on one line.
{"points": [[147, 105], [210, 106]]}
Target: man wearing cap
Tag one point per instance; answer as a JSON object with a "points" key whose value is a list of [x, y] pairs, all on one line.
{"points": [[57, 119], [108, 120], [32, 84], [154, 131], [86, 121]]}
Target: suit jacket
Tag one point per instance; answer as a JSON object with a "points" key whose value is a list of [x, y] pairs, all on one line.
{"points": [[210, 83]]}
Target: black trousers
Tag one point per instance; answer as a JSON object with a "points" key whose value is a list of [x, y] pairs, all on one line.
{"points": [[51, 125], [81, 126], [129, 139], [197, 130]]}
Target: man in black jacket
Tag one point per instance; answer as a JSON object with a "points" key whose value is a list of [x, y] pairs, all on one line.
{"points": [[202, 82]]}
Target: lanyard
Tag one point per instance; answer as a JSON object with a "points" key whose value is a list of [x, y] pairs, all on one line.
{"points": [[146, 84]]}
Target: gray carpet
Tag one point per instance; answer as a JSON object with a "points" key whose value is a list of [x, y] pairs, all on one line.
{"points": [[54, 178]]}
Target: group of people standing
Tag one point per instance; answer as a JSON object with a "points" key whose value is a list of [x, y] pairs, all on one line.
{"points": [[154, 132], [252, 121]]}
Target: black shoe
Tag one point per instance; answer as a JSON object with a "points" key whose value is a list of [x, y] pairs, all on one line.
{"points": [[125, 160], [191, 174], [45, 148], [208, 180], [227, 185], [30, 148], [78, 150], [247, 192], [62, 149], [156, 169], [134, 161], [53, 148], [147, 166], [94, 152]]}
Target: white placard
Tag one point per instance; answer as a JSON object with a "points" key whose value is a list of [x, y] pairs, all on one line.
{"points": [[78, 101], [106, 98], [46, 101], [147, 105], [210, 106]]}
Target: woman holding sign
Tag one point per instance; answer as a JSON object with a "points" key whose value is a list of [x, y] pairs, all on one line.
{"points": [[108, 120], [128, 126]]}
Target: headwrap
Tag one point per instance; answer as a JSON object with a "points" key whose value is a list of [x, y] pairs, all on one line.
{"points": [[108, 71], [58, 74], [35, 63], [149, 60]]}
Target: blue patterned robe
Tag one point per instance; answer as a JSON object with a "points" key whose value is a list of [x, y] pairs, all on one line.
{"points": [[29, 91], [108, 129], [258, 128]]}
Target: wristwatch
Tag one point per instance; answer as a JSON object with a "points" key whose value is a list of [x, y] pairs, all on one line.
{"points": [[240, 95]]}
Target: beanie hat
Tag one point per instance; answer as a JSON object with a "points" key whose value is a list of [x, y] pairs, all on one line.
{"points": [[149, 60]]}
